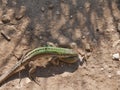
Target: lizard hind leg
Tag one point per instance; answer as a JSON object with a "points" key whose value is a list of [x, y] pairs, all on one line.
{"points": [[32, 75]]}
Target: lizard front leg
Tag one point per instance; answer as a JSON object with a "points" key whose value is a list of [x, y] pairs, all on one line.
{"points": [[32, 75], [32, 70]]}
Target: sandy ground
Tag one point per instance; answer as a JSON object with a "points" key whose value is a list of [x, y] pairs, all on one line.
{"points": [[92, 24]]}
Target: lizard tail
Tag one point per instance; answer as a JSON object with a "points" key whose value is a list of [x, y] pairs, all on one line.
{"points": [[10, 72]]}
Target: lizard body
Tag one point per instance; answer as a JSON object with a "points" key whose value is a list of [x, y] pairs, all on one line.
{"points": [[64, 54]]}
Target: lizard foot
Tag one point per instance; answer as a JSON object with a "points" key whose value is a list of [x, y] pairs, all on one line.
{"points": [[51, 44]]}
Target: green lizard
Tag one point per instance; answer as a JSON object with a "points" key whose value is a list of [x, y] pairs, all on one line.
{"points": [[63, 54]]}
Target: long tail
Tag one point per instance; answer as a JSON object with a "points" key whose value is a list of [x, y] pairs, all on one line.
{"points": [[10, 72]]}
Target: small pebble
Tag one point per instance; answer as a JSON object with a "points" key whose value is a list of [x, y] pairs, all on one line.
{"points": [[87, 47], [5, 19], [40, 37], [83, 37], [101, 69], [118, 72], [53, 74], [116, 56], [58, 12], [109, 76], [71, 16], [42, 9]]}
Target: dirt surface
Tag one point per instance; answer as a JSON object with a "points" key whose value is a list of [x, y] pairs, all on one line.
{"points": [[94, 25]]}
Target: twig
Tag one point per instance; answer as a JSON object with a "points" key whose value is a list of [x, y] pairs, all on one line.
{"points": [[5, 36]]}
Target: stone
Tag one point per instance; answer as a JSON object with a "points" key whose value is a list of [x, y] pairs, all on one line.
{"points": [[101, 69], [58, 12], [71, 16], [118, 72], [40, 37], [6, 19], [109, 76], [83, 37], [116, 56], [87, 47], [42, 9]]}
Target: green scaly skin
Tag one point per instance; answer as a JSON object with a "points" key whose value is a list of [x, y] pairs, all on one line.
{"points": [[64, 54]]}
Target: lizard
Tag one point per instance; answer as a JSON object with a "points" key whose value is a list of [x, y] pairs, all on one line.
{"points": [[63, 54]]}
